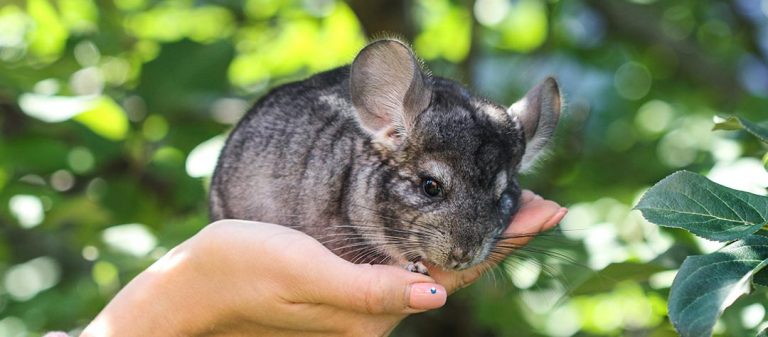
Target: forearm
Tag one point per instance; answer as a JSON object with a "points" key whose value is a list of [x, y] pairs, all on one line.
{"points": [[151, 304]]}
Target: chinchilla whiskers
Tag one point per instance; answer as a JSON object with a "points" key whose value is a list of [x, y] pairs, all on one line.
{"points": [[548, 270], [501, 247], [378, 214], [369, 236], [524, 255], [501, 266], [359, 235], [405, 231], [364, 251], [377, 243], [376, 227]]}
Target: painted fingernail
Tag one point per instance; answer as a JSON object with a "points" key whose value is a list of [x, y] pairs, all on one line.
{"points": [[427, 296]]}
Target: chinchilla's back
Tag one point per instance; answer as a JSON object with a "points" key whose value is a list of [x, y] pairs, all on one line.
{"points": [[289, 158]]}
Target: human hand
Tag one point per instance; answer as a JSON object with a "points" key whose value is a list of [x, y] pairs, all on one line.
{"points": [[240, 277]]}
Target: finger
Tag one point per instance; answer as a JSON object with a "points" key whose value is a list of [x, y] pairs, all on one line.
{"points": [[527, 196], [305, 271], [532, 219], [373, 289]]}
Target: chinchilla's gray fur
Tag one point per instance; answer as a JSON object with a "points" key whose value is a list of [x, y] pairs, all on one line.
{"points": [[344, 156]]}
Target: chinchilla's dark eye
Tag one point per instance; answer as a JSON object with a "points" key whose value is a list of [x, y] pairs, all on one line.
{"points": [[431, 187], [507, 206]]}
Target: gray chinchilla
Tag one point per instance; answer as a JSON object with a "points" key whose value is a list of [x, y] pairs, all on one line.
{"points": [[383, 163]]}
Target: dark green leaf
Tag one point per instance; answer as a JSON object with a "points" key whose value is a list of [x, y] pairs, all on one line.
{"points": [[707, 284], [761, 278], [606, 279], [736, 123], [692, 202]]}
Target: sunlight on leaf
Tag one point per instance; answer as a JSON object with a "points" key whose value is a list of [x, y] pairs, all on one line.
{"points": [[128, 5], [692, 202], [53, 109], [80, 16], [174, 21], [445, 32], [14, 24], [106, 118], [305, 43], [737, 123], [48, 39], [525, 29], [262, 9]]}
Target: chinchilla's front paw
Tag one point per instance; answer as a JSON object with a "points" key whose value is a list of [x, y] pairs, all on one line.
{"points": [[417, 267]]}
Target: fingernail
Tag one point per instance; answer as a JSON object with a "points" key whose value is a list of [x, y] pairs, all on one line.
{"points": [[555, 219], [427, 296]]}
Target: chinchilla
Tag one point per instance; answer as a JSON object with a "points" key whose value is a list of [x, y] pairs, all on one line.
{"points": [[383, 163]]}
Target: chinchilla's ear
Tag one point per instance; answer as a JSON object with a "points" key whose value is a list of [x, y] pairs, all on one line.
{"points": [[388, 90], [537, 113]]}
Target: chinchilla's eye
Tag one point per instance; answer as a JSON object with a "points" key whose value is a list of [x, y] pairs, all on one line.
{"points": [[507, 206], [431, 187]]}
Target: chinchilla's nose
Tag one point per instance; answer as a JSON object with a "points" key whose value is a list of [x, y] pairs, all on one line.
{"points": [[459, 258]]}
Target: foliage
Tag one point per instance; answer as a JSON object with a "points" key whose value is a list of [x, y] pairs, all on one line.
{"points": [[111, 114], [707, 284]]}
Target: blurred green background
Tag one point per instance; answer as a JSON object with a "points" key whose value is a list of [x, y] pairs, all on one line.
{"points": [[112, 113]]}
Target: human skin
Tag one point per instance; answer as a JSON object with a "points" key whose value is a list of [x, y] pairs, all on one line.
{"points": [[237, 278]]}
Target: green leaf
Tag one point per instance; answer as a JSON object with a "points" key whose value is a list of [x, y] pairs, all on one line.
{"points": [[707, 284], [105, 118], [736, 123], [692, 202], [610, 276]]}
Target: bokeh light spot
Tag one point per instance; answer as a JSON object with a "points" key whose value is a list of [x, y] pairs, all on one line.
{"points": [[744, 174], [87, 54], [155, 128], [632, 80], [24, 281], [202, 159], [90, 253], [80, 159], [491, 12], [87, 82], [654, 117], [105, 274], [28, 210], [525, 28], [12, 326], [752, 315], [62, 180], [134, 239], [524, 273], [228, 110], [677, 149]]}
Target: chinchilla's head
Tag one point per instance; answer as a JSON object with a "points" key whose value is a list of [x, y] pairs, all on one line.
{"points": [[448, 188]]}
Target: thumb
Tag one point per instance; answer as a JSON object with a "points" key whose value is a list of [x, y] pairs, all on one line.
{"points": [[376, 289]]}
